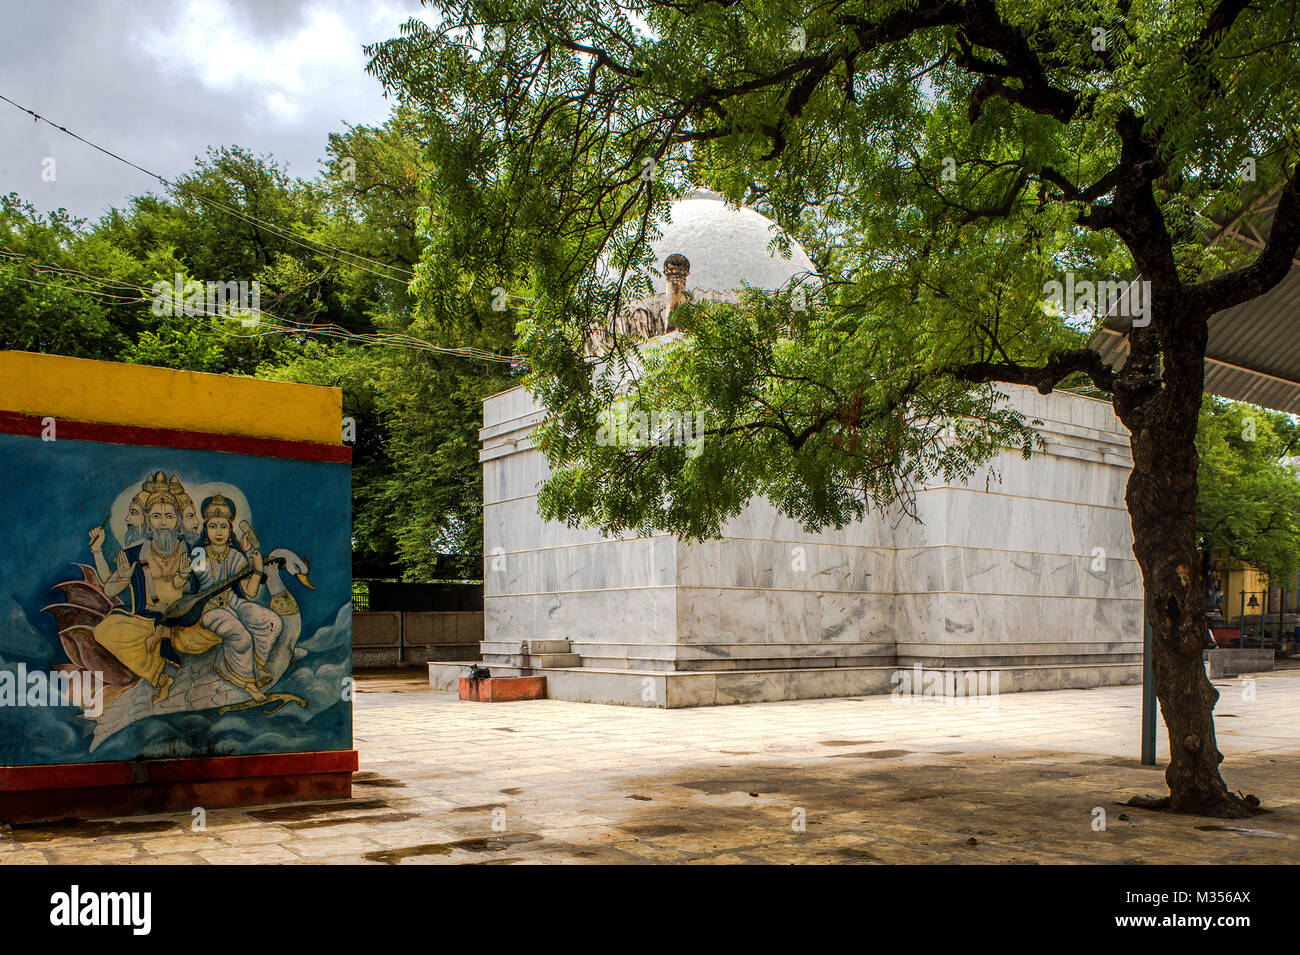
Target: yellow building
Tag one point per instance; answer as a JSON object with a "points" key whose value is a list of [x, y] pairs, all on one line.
{"points": [[1239, 583]]}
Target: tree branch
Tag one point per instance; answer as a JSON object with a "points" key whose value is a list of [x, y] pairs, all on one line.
{"points": [[1044, 377], [1269, 268]]}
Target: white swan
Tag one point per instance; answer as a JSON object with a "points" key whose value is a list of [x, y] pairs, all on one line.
{"points": [[284, 604]]}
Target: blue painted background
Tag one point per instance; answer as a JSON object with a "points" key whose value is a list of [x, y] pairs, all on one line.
{"points": [[53, 492]]}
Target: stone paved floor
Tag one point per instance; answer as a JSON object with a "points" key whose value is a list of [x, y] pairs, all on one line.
{"points": [[869, 779]]}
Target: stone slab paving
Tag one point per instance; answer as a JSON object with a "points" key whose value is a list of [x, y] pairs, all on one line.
{"points": [[863, 780]]}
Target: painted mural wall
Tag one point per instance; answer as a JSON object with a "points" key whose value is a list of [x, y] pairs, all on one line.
{"points": [[167, 593]]}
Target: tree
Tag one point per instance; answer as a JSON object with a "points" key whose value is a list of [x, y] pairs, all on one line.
{"points": [[942, 159], [44, 301], [417, 484], [334, 255], [1249, 502], [235, 217]]}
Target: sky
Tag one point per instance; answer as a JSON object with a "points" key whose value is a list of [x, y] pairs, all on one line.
{"points": [[159, 81]]}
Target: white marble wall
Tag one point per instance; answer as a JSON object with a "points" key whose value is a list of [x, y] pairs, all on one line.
{"points": [[615, 600], [1032, 563], [1029, 563]]}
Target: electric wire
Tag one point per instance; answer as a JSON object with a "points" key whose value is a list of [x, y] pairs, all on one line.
{"points": [[286, 326], [314, 245]]}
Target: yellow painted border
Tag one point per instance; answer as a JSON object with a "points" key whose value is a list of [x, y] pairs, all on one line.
{"points": [[113, 393]]}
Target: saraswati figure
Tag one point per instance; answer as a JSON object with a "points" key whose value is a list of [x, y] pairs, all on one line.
{"points": [[247, 629]]}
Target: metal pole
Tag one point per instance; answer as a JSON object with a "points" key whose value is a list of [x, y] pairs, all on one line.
{"points": [[1148, 696], [1281, 602], [1263, 609]]}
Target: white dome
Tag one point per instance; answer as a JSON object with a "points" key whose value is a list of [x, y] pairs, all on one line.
{"points": [[727, 248]]}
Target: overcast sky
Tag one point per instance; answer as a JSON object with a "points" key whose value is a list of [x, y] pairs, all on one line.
{"points": [[158, 81]]}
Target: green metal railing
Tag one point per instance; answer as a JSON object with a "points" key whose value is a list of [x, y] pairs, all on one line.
{"points": [[360, 595]]}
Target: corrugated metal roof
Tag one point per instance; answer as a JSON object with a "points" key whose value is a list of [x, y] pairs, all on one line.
{"points": [[1253, 353]]}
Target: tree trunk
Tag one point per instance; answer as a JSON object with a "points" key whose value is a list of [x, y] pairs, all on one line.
{"points": [[1161, 498]]}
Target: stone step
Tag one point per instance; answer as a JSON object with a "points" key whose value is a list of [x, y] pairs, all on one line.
{"points": [[549, 646], [547, 660], [707, 688]]}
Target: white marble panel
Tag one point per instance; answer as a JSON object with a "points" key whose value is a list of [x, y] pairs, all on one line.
{"points": [[512, 526], [697, 563], [984, 571], [1064, 406], [919, 570], [1051, 476], [784, 565], [761, 521], [742, 617], [645, 616], [515, 403], [698, 615], [582, 561], [513, 475], [793, 616], [1017, 523], [509, 619], [927, 525], [857, 618], [820, 654], [558, 534], [502, 574], [918, 617], [1037, 625], [872, 570]]}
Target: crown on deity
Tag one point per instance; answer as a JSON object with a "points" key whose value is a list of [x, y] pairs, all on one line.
{"points": [[178, 491], [157, 488], [164, 497], [218, 506], [156, 482]]}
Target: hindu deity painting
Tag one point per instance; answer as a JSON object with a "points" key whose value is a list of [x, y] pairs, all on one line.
{"points": [[187, 598]]}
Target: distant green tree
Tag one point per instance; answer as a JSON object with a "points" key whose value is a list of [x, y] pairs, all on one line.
{"points": [[1249, 502], [44, 302], [236, 217], [418, 484]]}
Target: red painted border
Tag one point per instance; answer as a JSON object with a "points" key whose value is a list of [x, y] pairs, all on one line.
{"points": [[144, 772], [15, 422]]}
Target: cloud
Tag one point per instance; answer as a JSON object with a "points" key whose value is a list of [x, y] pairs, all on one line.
{"points": [[49, 734], [158, 82], [337, 634]]}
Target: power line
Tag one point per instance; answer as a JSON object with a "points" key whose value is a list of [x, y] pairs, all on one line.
{"points": [[40, 266], [287, 326], [106, 296], [311, 244]]}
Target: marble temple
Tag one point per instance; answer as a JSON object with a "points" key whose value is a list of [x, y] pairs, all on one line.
{"points": [[1026, 571]]}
